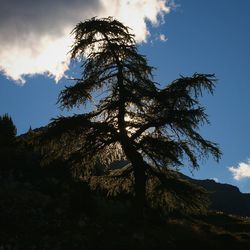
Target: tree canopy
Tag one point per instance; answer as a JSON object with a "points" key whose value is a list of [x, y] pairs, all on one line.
{"points": [[132, 116]]}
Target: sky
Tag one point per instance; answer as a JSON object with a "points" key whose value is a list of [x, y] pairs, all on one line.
{"points": [[178, 37]]}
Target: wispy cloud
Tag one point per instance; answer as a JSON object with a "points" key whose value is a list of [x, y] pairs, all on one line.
{"points": [[34, 35], [163, 38], [242, 170]]}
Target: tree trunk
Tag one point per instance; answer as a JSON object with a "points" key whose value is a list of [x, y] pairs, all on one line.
{"points": [[140, 190], [139, 170], [133, 156]]}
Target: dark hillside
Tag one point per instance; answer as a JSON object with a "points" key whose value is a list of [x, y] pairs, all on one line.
{"points": [[42, 207]]}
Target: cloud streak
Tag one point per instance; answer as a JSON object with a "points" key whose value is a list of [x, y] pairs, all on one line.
{"points": [[241, 171], [34, 35]]}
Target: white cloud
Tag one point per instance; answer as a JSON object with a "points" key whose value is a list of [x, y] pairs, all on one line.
{"points": [[163, 38], [215, 179], [241, 171], [51, 59], [34, 35], [135, 13]]}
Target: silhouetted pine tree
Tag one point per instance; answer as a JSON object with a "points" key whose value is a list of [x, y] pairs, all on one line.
{"points": [[7, 131], [131, 117]]}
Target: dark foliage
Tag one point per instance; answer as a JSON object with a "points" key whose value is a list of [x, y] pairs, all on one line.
{"points": [[166, 192]]}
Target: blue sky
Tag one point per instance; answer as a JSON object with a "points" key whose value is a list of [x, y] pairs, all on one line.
{"points": [[209, 36]]}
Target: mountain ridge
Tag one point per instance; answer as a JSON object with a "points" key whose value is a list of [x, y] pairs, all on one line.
{"points": [[224, 197]]}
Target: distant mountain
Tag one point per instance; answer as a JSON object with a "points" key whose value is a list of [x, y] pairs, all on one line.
{"points": [[224, 197]]}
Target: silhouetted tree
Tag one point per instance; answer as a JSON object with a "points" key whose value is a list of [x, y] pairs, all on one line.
{"points": [[131, 117], [7, 131]]}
